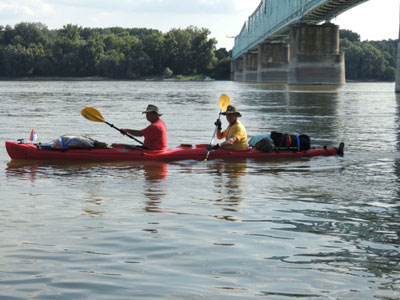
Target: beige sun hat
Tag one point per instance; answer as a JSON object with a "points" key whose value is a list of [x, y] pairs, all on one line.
{"points": [[152, 108], [232, 110]]}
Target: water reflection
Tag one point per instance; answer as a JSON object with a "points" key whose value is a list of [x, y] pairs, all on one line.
{"points": [[397, 162], [230, 185], [155, 189], [153, 172], [93, 207], [18, 169], [33, 170], [316, 88]]}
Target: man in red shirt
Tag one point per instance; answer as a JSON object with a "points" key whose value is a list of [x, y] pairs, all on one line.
{"points": [[155, 135]]}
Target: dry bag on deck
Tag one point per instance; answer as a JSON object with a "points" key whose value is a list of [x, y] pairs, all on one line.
{"points": [[66, 142], [291, 141], [262, 142], [265, 145], [255, 139]]}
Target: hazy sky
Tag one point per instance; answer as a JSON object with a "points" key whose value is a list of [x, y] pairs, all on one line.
{"points": [[373, 20]]}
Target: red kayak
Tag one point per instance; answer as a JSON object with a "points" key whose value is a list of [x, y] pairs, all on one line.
{"points": [[21, 151]]}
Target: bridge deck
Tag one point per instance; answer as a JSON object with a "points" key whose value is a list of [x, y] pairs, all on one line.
{"points": [[272, 19]]}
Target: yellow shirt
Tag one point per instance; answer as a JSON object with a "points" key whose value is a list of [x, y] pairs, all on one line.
{"points": [[237, 130]]}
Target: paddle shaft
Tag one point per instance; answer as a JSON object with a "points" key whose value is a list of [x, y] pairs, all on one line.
{"points": [[213, 137], [224, 102], [129, 135], [215, 131]]}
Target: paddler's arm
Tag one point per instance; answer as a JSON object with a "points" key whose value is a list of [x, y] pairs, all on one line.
{"points": [[229, 142], [220, 134], [131, 132]]}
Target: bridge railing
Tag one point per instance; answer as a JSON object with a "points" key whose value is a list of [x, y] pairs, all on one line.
{"points": [[269, 17]]}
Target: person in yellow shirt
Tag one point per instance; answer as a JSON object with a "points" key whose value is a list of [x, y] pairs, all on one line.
{"points": [[235, 134]]}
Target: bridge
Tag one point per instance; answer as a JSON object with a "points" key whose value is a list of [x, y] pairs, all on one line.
{"points": [[291, 41]]}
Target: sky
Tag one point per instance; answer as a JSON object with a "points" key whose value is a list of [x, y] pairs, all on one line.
{"points": [[373, 20]]}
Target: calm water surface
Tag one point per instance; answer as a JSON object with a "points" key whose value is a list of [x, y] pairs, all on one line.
{"points": [[319, 228]]}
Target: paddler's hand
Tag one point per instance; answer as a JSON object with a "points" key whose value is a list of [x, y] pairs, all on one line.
{"points": [[218, 124], [212, 147], [123, 131]]}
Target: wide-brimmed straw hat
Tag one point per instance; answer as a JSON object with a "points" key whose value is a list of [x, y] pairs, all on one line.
{"points": [[152, 108], [232, 110]]}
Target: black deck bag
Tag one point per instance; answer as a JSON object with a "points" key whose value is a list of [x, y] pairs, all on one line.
{"points": [[265, 145], [287, 141]]}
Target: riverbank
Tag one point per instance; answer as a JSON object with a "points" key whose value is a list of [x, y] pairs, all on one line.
{"points": [[99, 78], [56, 78]]}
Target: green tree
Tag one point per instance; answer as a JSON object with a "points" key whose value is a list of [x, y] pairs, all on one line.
{"points": [[70, 32], [44, 63], [177, 51], [372, 62], [90, 54], [153, 45], [350, 35], [203, 48], [17, 60], [114, 42], [137, 61], [221, 53], [353, 55], [112, 65], [222, 70], [167, 72], [368, 60], [30, 33], [66, 50], [1, 35]]}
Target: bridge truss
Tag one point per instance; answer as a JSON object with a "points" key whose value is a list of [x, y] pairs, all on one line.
{"points": [[272, 19]]}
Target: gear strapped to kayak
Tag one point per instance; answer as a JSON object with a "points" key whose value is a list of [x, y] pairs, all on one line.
{"points": [[277, 141], [291, 141]]}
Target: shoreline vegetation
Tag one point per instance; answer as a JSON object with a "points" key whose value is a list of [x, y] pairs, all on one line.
{"points": [[31, 50], [368, 60], [99, 78]]}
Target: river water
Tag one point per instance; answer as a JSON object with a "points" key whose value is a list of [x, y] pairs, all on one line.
{"points": [[315, 228]]}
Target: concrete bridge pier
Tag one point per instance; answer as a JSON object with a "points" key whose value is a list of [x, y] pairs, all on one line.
{"points": [[397, 86], [237, 69], [273, 61], [314, 55], [250, 67]]}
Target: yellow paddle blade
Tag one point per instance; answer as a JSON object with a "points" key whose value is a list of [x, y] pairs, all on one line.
{"points": [[224, 101], [92, 114]]}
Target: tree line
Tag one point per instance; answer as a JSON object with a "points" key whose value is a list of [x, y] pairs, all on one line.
{"points": [[368, 60], [31, 49]]}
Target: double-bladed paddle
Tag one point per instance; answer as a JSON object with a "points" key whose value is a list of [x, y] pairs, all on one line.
{"points": [[94, 115], [224, 101]]}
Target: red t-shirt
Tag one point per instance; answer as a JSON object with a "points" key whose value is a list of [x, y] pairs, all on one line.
{"points": [[155, 136]]}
